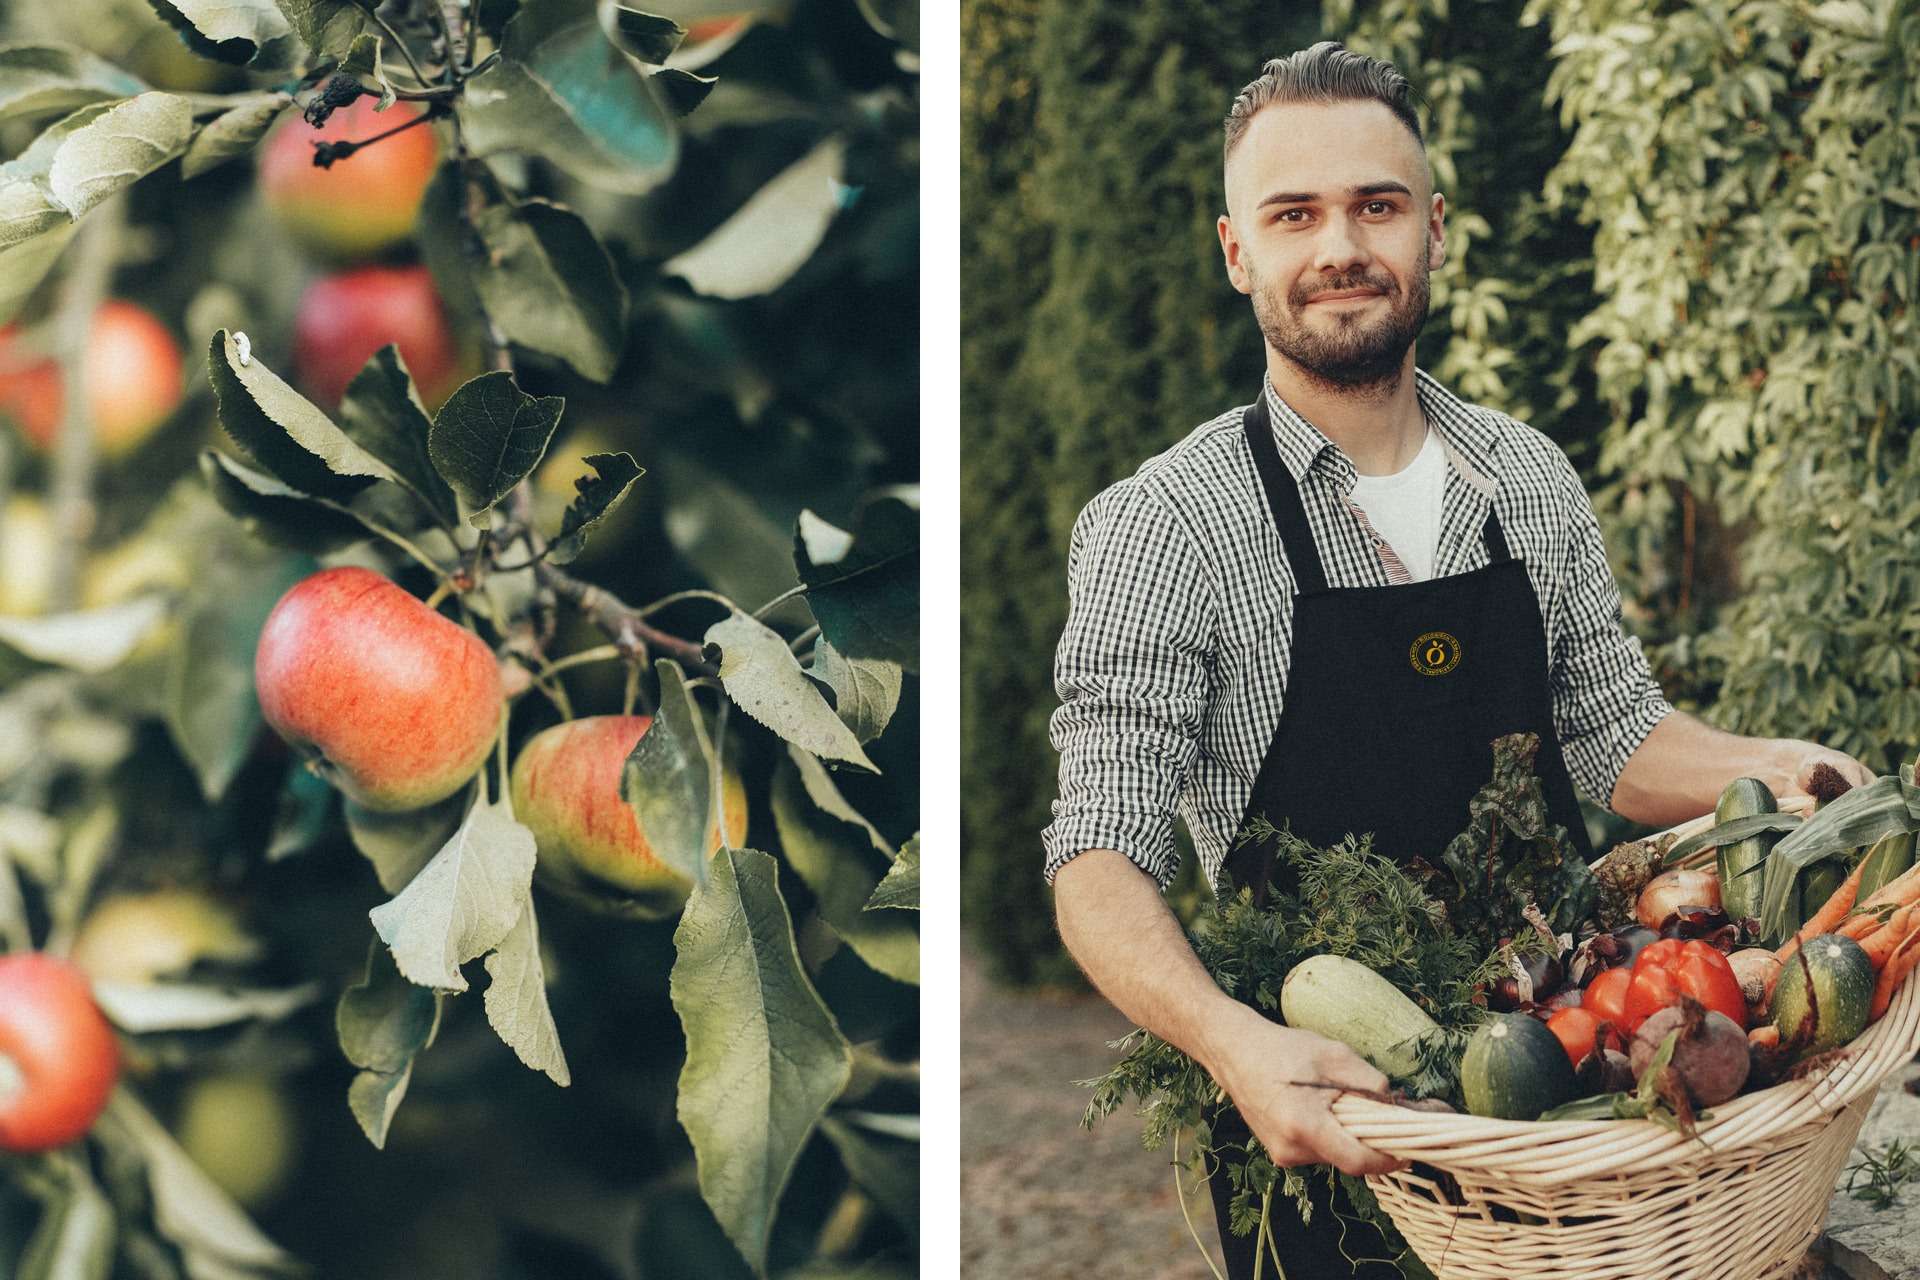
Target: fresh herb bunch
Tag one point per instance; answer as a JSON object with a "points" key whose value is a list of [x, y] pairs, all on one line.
{"points": [[1510, 856]]}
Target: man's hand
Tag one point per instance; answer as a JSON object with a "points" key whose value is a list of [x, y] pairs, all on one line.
{"points": [[1681, 767], [1798, 761], [1118, 927], [1275, 1074]]}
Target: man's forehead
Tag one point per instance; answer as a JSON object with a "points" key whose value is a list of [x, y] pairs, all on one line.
{"points": [[1324, 147]]}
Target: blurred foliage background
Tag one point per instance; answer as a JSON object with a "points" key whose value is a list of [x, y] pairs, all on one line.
{"points": [[1683, 242], [150, 780]]}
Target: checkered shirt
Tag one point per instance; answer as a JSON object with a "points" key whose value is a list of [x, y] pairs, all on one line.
{"points": [[1172, 669]]}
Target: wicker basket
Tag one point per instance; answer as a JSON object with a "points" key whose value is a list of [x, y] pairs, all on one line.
{"points": [[1631, 1199]]}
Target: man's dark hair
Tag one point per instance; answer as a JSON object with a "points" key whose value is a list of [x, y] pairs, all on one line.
{"points": [[1326, 72]]}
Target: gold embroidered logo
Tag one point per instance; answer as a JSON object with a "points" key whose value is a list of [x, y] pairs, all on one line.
{"points": [[1435, 653]]}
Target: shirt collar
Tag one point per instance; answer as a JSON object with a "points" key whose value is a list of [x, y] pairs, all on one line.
{"points": [[1463, 426]]}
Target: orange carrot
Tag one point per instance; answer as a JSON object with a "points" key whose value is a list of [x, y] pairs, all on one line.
{"points": [[1894, 972], [1829, 916], [1883, 943], [1766, 1035]]}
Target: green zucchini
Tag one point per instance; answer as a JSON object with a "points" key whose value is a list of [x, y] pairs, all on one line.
{"points": [[1741, 881], [1842, 986], [1515, 1069], [1344, 1000], [1890, 856]]}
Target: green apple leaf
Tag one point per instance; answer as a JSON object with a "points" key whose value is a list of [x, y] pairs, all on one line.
{"points": [[234, 132], [89, 640], [400, 844], [516, 999], [766, 681], [668, 778], [901, 885], [463, 902], [682, 90], [126, 143], [550, 284], [140, 1008], [327, 26], [24, 264], [38, 80], [494, 15], [769, 237], [300, 817], [865, 589], [837, 860], [239, 32], [382, 413], [571, 96], [382, 1023], [764, 1057], [885, 1166], [648, 36], [866, 691], [283, 431], [75, 1238], [363, 64], [614, 474], [216, 1238], [277, 513], [722, 532], [488, 437], [897, 20]]}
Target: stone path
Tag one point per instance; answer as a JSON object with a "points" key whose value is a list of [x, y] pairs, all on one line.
{"points": [[1041, 1197]]}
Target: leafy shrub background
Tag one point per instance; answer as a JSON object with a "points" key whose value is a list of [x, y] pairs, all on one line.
{"points": [[1682, 242]]}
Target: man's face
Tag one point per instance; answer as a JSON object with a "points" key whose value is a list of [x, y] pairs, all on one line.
{"points": [[1332, 228]]}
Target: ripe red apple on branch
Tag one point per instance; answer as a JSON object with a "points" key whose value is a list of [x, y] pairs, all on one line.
{"points": [[134, 380], [393, 704], [342, 319], [58, 1058], [356, 207], [566, 788]]}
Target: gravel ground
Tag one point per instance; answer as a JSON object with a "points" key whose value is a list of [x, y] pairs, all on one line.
{"points": [[1041, 1197]]}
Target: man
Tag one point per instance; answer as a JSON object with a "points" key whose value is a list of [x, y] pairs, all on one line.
{"points": [[1314, 608]]}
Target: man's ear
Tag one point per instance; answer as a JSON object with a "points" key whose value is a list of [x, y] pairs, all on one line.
{"points": [[1230, 249], [1437, 233]]}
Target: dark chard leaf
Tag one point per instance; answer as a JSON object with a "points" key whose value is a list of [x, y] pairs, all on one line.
{"points": [[764, 1057], [550, 285], [838, 862], [614, 474], [900, 887], [682, 90], [276, 513], [488, 437], [382, 1023], [382, 413], [233, 133], [648, 36], [866, 592], [40, 80], [668, 779], [765, 680], [239, 32], [283, 431]]}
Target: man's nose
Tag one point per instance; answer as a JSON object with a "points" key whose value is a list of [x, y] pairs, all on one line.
{"points": [[1339, 247]]}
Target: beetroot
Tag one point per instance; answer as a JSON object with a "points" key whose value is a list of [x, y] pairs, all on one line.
{"points": [[1711, 1054]]}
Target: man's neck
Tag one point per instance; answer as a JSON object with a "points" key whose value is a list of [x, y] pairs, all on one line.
{"points": [[1379, 428]]}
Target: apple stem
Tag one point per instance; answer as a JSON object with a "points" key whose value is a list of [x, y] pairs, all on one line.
{"points": [[405, 52], [804, 639]]}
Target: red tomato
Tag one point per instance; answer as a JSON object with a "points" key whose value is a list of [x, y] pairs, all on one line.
{"points": [[1576, 1028], [1669, 968], [1606, 999], [60, 1048]]}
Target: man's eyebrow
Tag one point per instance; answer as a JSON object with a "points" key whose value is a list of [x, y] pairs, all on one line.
{"points": [[1314, 197]]}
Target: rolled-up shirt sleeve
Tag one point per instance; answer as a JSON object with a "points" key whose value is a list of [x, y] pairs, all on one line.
{"points": [[1605, 699], [1132, 675]]}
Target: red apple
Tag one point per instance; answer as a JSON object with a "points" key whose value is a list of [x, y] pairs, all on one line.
{"points": [[393, 704], [360, 205], [134, 378], [344, 318], [566, 789], [58, 1058]]}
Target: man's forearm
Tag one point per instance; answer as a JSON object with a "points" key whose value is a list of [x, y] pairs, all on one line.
{"points": [[1129, 944], [1680, 769]]}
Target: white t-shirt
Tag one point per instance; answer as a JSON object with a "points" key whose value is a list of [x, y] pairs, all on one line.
{"points": [[1404, 508]]}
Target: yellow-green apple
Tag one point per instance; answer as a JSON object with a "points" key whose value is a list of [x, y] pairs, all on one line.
{"points": [[358, 206], [134, 379], [393, 704], [141, 938], [58, 1057], [566, 789], [342, 319], [243, 1132]]}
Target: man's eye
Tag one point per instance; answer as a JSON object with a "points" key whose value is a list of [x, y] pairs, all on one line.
{"points": [[1379, 207]]}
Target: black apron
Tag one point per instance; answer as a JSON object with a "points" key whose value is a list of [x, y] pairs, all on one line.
{"points": [[1394, 696]]}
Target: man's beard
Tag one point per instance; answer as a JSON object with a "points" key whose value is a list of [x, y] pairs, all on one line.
{"points": [[1354, 354]]}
